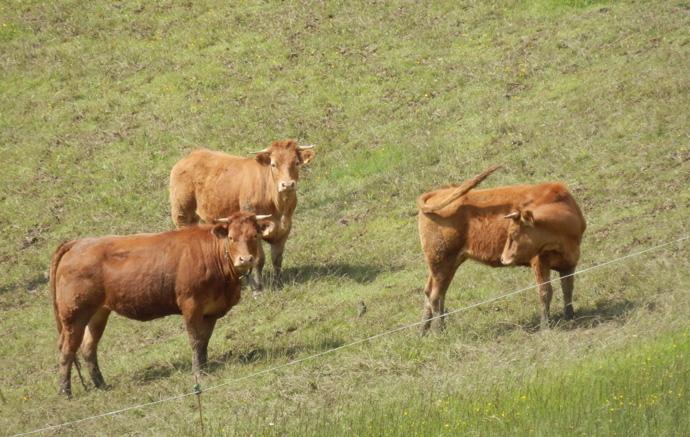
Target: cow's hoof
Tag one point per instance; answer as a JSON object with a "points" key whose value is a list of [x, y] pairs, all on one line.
{"points": [[103, 386], [201, 373], [98, 380], [426, 326], [569, 313]]}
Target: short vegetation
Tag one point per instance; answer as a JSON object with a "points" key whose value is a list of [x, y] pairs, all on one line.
{"points": [[99, 99]]}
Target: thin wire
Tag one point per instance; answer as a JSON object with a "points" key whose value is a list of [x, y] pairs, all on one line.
{"points": [[354, 343], [111, 413], [411, 325], [220, 322]]}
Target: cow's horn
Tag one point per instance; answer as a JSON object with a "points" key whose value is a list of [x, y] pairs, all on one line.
{"points": [[513, 214], [222, 220], [263, 216], [259, 151], [308, 146]]}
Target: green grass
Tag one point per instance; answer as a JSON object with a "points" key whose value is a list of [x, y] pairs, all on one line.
{"points": [[100, 99], [592, 398]]}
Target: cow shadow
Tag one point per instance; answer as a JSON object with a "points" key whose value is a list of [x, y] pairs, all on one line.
{"points": [[7, 288], [257, 354], [585, 318], [605, 312], [241, 357], [30, 285], [360, 273]]}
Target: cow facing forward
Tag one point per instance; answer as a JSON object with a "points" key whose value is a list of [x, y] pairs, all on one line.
{"points": [[540, 226], [194, 272], [207, 184]]}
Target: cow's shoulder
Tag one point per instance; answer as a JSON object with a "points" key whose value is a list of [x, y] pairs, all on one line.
{"points": [[547, 193], [556, 189]]}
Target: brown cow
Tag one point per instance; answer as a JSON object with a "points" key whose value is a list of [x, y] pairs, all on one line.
{"points": [[193, 271], [528, 225], [207, 184]]}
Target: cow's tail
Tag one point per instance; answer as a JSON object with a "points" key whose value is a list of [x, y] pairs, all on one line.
{"points": [[460, 191], [54, 262]]}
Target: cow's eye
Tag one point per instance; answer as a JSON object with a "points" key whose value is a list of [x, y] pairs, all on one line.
{"points": [[273, 164]]}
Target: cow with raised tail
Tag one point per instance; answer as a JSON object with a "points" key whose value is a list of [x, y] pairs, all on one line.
{"points": [[207, 184], [539, 226], [194, 272]]}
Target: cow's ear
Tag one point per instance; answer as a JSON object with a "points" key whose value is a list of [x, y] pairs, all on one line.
{"points": [[306, 156], [220, 230], [264, 158], [527, 217], [266, 227]]}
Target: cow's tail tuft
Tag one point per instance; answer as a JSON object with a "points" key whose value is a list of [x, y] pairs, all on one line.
{"points": [[460, 191], [54, 262]]}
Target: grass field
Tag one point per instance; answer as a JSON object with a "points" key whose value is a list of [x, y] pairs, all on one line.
{"points": [[100, 99]]}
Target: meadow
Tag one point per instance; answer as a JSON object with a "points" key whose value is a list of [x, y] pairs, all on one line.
{"points": [[99, 100]]}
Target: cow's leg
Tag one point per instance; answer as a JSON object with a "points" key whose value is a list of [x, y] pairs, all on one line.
{"points": [[277, 259], [72, 334], [428, 311], [199, 329], [543, 277], [255, 277], [182, 206], [568, 284], [435, 292], [89, 346]]}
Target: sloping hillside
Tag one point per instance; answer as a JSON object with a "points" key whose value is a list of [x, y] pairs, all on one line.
{"points": [[100, 99]]}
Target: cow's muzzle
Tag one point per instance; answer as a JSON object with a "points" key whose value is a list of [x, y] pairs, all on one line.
{"points": [[244, 263], [286, 186]]}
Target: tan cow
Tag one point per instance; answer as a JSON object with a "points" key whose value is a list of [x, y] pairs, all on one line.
{"points": [[194, 272], [529, 225], [207, 184]]}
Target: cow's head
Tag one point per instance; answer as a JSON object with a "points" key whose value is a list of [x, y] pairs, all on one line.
{"points": [[241, 233], [523, 239], [284, 159]]}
